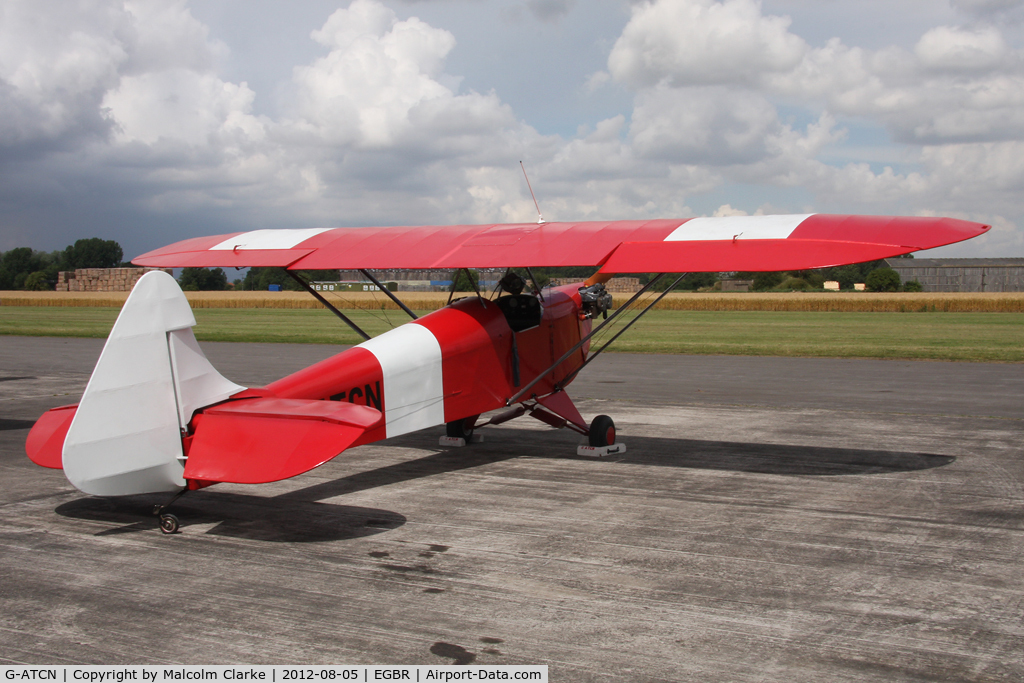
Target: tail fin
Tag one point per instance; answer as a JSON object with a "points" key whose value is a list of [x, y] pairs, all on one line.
{"points": [[125, 437]]}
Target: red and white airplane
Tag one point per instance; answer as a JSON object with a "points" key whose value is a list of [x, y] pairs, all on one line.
{"points": [[157, 417]]}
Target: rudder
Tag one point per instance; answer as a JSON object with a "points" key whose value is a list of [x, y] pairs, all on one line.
{"points": [[151, 376]]}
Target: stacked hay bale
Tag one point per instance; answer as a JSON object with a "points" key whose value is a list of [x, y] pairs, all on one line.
{"points": [[101, 279]]}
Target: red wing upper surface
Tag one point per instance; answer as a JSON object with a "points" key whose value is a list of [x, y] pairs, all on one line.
{"points": [[754, 243]]}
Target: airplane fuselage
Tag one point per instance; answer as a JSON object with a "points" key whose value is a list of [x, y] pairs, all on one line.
{"points": [[457, 362]]}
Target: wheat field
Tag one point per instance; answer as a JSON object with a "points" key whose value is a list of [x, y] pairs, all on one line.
{"points": [[849, 302]]}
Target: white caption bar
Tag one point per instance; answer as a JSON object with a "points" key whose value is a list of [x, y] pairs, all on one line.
{"points": [[273, 674]]}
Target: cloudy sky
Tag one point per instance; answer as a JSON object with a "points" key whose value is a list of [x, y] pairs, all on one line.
{"points": [[150, 121]]}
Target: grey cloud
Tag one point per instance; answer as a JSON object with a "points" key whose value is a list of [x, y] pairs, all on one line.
{"points": [[550, 10], [28, 130], [987, 7], [58, 63], [712, 126]]}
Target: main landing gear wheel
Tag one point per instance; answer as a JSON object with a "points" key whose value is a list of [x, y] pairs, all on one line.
{"points": [[169, 523], [461, 429], [602, 431]]}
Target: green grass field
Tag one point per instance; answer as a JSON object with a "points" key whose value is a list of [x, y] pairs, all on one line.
{"points": [[929, 336]]}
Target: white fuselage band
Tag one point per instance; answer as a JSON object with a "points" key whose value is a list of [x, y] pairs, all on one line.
{"points": [[410, 358]]}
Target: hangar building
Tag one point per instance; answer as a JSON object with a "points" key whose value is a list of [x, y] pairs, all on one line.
{"points": [[962, 274]]}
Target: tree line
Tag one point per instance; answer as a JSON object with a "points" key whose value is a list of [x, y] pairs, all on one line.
{"points": [[876, 275], [25, 268]]}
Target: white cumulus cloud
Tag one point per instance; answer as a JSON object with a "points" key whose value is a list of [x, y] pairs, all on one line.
{"points": [[697, 42], [949, 48]]}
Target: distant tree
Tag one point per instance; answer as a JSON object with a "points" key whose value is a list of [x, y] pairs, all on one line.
{"points": [[52, 266], [846, 276], [762, 281], [19, 268], [260, 279], [19, 260], [464, 283], [793, 283], [691, 282], [202, 279], [883, 280], [815, 279], [912, 286], [37, 282], [92, 252], [766, 281], [17, 264]]}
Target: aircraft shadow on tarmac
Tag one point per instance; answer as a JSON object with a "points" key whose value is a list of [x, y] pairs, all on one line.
{"points": [[781, 459], [239, 516], [8, 424], [506, 444], [297, 516]]}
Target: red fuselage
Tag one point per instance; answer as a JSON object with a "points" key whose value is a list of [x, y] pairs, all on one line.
{"points": [[466, 360]]}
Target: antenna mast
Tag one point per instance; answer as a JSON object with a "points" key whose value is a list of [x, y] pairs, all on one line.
{"points": [[540, 218]]}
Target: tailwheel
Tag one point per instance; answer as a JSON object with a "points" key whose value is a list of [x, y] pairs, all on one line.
{"points": [[602, 431], [461, 429], [169, 523]]}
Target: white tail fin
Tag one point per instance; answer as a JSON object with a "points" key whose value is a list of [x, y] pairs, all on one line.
{"points": [[151, 376]]}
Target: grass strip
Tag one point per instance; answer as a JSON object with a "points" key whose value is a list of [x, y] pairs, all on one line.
{"points": [[986, 337]]}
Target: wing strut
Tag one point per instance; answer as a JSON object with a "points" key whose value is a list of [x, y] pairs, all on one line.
{"points": [[325, 302], [536, 288], [469, 276], [585, 339], [618, 334], [388, 292]]}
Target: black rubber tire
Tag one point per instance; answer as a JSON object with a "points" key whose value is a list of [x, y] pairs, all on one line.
{"points": [[461, 429], [169, 523], [602, 431]]}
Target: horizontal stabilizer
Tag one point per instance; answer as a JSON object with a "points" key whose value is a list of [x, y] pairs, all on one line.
{"points": [[259, 440], [45, 443]]}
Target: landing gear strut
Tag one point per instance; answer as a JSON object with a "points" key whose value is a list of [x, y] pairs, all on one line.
{"points": [[169, 523]]}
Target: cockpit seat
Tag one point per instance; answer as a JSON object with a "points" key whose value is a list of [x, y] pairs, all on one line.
{"points": [[522, 311]]}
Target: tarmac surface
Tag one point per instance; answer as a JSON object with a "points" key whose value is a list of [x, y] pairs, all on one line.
{"points": [[772, 520]]}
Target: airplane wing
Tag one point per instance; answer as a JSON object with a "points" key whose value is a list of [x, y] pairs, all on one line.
{"points": [[718, 244]]}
